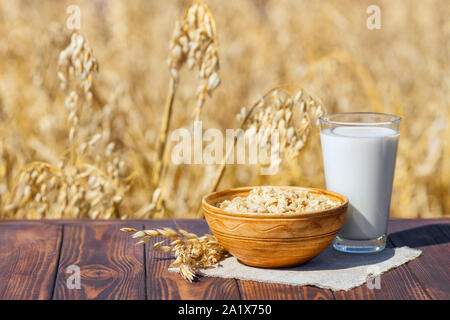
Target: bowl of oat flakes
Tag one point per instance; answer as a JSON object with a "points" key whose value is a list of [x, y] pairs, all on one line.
{"points": [[274, 227]]}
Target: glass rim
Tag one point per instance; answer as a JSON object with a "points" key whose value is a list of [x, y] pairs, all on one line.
{"points": [[325, 119]]}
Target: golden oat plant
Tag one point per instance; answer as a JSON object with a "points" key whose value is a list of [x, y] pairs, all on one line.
{"points": [[191, 251], [193, 43], [287, 111], [73, 188]]}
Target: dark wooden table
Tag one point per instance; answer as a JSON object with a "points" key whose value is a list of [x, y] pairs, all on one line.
{"points": [[35, 255]]}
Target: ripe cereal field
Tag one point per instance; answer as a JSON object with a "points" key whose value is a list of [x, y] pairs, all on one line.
{"points": [[86, 115]]}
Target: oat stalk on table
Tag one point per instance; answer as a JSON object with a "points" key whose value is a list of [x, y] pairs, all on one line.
{"points": [[191, 251]]}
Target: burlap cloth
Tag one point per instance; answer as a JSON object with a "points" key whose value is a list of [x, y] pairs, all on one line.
{"points": [[330, 270]]}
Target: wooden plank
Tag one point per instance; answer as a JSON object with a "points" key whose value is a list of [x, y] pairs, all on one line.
{"points": [[437, 231], [431, 269], [111, 265], [253, 290], [396, 284], [402, 224], [28, 260], [162, 284]]}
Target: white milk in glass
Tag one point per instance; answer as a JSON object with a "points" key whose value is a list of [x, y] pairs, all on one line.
{"points": [[359, 163]]}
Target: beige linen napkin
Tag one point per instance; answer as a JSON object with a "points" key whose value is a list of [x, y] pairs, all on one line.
{"points": [[330, 270]]}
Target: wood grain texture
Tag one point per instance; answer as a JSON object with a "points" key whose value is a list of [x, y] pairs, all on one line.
{"points": [[397, 284], [28, 260], [34, 256], [253, 290], [111, 265], [400, 283], [432, 268], [162, 284]]}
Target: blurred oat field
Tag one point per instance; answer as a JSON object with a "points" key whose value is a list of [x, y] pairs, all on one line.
{"points": [[325, 46]]}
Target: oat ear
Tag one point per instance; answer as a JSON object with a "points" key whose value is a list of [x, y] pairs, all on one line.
{"points": [[191, 251], [193, 43], [275, 110]]}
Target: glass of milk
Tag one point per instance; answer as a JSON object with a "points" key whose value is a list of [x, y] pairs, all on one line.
{"points": [[359, 151]]}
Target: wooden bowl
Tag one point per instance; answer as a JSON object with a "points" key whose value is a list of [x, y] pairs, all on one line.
{"points": [[273, 240]]}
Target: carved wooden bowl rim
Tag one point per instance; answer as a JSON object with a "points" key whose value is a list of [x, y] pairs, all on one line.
{"points": [[208, 204]]}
